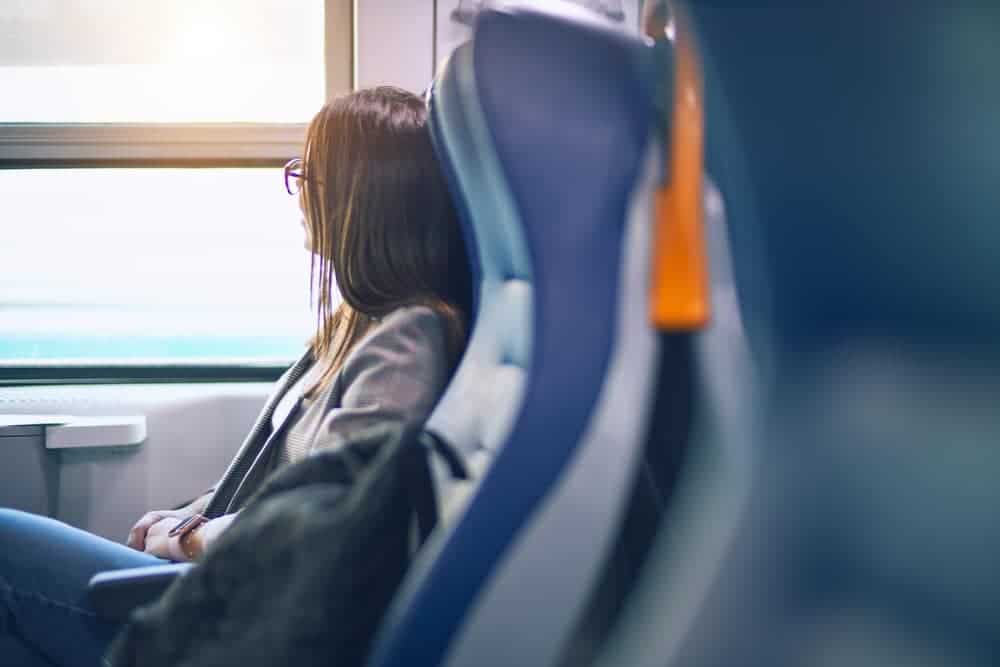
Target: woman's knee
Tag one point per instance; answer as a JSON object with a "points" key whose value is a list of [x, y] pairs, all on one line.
{"points": [[18, 528], [37, 544], [12, 524], [10, 515], [17, 533]]}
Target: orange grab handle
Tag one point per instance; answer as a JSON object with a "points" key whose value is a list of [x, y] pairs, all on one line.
{"points": [[679, 299]]}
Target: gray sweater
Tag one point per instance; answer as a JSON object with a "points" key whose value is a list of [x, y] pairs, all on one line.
{"points": [[397, 371]]}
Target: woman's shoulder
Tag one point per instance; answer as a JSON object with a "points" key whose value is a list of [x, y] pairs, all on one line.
{"points": [[417, 322], [419, 315], [408, 336]]}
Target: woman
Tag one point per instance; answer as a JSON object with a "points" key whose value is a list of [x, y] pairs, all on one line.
{"points": [[380, 225]]}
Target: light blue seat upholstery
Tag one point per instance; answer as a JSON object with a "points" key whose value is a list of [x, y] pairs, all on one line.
{"points": [[478, 408], [850, 517], [544, 122]]}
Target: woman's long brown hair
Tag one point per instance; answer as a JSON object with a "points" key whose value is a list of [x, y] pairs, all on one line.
{"points": [[382, 228]]}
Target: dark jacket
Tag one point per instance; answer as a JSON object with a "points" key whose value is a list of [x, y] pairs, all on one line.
{"points": [[305, 573]]}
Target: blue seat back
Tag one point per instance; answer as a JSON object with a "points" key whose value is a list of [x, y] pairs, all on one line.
{"points": [[545, 121]]}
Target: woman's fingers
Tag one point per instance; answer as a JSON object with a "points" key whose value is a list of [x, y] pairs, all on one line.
{"points": [[158, 540], [137, 536]]}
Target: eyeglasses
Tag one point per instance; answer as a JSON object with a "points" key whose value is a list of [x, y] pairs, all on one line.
{"points": [[294, 175]]}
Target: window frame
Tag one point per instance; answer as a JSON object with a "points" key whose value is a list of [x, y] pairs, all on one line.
{"points": [[35, 374], [83, 145], [164, 145], [80, 145]]}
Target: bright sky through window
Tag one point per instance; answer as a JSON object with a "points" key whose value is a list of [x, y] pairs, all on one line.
{"points": [[83, 61], [164, 263]]}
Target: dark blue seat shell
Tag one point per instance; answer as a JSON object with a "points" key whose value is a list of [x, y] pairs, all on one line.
{"points": [[544, 123]]}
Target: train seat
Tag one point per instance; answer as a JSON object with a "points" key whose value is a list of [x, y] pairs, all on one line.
{"points": [[546, 116]]}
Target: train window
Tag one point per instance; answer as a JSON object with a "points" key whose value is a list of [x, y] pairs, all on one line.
{"points": [[150, 266], [144, 224], [113, 61]]}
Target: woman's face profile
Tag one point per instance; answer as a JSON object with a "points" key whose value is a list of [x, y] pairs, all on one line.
{"points": [[293, 173], [307, 237]]}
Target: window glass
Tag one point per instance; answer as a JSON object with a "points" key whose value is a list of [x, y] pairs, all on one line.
{"points": [[151, 265], [101, 61]]}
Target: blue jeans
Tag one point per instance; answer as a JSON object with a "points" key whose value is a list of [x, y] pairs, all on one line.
{"points": [[44, 569]]}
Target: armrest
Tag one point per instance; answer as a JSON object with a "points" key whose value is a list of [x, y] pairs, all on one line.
{"points": [[114, 594]]}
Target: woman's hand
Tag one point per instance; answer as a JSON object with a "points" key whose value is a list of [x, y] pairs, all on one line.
{"points": [[159, 543], [138, 536]]}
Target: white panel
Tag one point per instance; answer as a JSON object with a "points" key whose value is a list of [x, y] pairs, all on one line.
{"points": [[450, 33], [96, 432], [192, 433], [394, 43], [632, 17]]}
